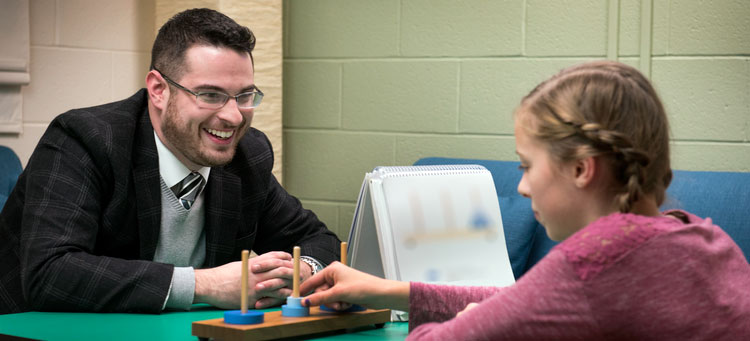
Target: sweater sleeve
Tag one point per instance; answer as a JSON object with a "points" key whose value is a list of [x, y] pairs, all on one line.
{"points": [[546, 301], [437, 303]]}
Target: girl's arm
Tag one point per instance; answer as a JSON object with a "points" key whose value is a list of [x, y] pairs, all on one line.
{"points": [[546, 303]]}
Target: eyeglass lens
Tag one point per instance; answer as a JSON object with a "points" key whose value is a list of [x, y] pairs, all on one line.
{"points": [[215, 100]]}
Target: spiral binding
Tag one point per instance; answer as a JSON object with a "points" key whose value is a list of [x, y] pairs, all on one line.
{"points": [[406, 171]]}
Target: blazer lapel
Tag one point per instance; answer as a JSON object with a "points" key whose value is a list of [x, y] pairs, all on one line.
{"points": [[147, 186], [223, 210]]}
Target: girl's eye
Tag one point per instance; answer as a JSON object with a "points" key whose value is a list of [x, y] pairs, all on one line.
{"points": [[523, 168]]}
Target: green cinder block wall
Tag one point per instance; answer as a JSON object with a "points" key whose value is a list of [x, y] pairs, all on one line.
{"points": [[386, 82]]}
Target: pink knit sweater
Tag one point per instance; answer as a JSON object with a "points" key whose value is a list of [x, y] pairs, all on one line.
{"points": [[624, 277]]}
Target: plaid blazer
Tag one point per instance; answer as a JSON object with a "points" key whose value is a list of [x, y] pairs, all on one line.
{"points": [[79, 231]]}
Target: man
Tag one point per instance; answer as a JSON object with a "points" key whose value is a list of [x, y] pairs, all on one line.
{"points": [[102, 220]]}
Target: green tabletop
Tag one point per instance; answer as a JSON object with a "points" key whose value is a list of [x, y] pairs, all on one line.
{"points": [[165, 326]]}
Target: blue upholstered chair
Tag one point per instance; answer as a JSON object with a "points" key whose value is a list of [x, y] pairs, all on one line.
{"points": [[10, 168], [722, 196]]}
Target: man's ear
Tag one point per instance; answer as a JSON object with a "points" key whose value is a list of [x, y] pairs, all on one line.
{"points": [[586, 170], [157, 88]]}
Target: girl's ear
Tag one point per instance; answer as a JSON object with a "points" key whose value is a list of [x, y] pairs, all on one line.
{"points": [[158, 91], [586, 170]]}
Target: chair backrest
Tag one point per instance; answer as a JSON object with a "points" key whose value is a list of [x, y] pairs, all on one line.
{"points": [[722, 196], [10, 168]]}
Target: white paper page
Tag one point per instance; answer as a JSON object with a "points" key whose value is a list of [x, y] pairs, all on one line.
{"points": [[446, 228]]}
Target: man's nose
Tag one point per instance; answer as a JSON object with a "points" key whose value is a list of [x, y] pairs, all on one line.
{"points": [[231, 113]]}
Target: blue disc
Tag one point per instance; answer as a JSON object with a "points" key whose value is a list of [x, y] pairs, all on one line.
{"points": [[294, 308], [237, 317], [287, 310]]}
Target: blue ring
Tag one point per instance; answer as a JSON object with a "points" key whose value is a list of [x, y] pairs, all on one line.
{"points": [[292, 311], [237, 317]]}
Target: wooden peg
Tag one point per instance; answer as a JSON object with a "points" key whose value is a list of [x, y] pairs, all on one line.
{"points": [[295, 279], [243, 316], [343, 253], [243, 292]]}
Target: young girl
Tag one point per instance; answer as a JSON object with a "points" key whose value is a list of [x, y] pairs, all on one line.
{"points": [[594, 147]]}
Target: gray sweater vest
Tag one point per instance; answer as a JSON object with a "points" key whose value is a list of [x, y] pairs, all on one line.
{"points": [[182, 241]]}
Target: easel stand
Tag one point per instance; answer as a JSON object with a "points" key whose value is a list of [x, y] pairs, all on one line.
{"points": [[277, 326]]}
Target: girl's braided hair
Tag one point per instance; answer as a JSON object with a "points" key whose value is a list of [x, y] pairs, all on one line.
{"points": [[609, 109]]}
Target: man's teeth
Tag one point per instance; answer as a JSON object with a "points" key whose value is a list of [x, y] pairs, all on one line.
{"points": [[221, 134]]}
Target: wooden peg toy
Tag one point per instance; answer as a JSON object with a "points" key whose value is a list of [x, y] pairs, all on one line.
{"points": [[293, 306], [242, 316], [354, 307], [284, 323], [343, 253]]}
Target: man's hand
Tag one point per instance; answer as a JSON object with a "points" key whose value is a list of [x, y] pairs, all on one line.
{"points": [[269, 282], [274, 291]]}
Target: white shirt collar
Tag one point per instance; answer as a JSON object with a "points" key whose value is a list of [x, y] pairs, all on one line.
{"points": [[170, 168]]}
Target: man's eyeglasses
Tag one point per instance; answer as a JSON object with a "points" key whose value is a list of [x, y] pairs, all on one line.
{"points": [[217, 100]]}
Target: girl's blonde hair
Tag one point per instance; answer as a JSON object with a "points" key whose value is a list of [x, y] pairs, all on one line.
{"points": [[608, 109]]}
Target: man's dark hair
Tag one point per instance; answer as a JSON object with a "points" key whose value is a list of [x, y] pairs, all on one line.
{"points": [[198, 26]]}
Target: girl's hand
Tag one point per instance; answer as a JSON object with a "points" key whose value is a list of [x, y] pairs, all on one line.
{"points": [[339, 285]]}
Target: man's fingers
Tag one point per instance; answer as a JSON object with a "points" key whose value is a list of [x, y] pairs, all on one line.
{"points": [[280, 272], [269, 260], [275, 254], [267, 302], [281, 293], [264, 265], [267, 288]]}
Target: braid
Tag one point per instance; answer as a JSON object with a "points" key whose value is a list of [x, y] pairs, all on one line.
{"points": [[629, 162], [607, 109]]}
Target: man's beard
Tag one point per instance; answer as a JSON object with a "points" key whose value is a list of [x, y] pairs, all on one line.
{"points": [[187, 140]]}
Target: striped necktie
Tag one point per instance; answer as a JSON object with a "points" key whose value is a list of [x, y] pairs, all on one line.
{"points": [[187, 189]]}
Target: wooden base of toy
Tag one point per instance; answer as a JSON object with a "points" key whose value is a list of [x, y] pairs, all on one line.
{"points": [[277, 326]]}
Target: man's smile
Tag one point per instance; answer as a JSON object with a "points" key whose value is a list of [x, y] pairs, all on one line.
{"points": [[219, 133]]}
